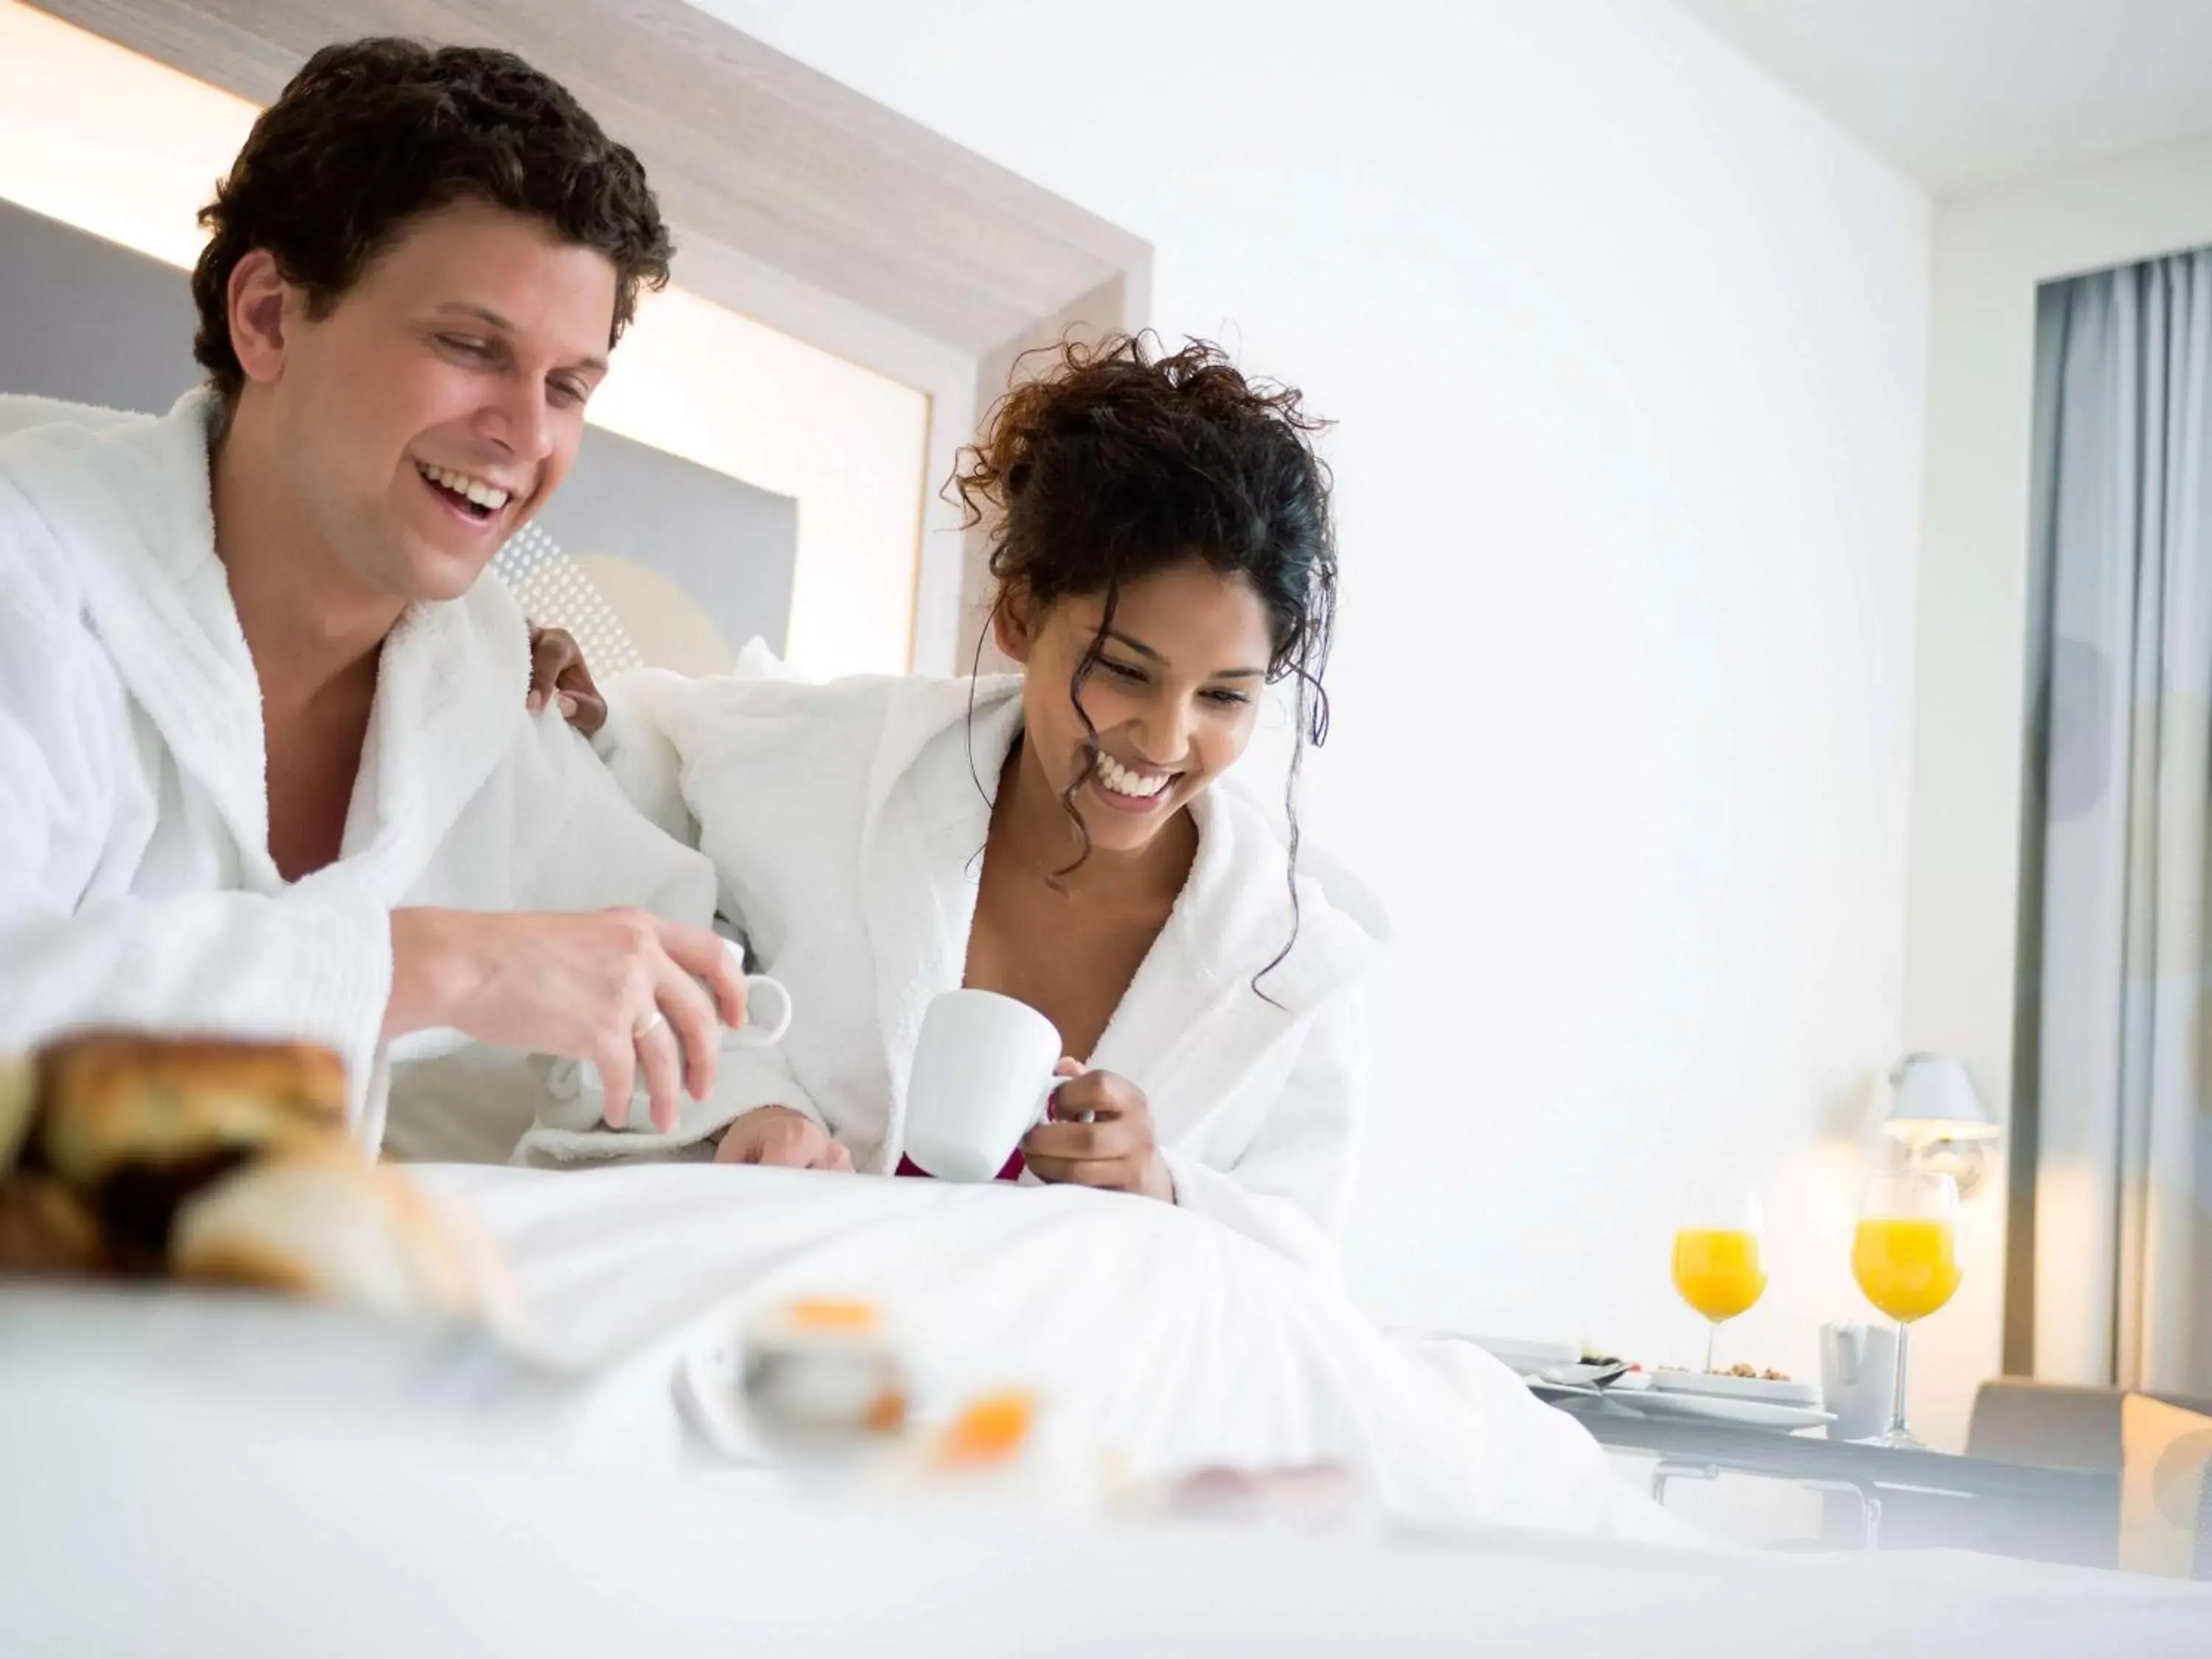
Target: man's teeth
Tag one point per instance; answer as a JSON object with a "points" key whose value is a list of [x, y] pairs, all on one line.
{"points": [[1122, 781], [489, 496]]}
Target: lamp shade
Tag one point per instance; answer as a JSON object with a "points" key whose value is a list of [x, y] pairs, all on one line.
{"points": [[1935, 1099]]}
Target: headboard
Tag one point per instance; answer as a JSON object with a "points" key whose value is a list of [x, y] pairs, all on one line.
{"points": [[644, 556]]}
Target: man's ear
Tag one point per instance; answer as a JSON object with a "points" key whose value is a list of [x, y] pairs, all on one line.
{"points": [[257, 310], [1013, 622]]}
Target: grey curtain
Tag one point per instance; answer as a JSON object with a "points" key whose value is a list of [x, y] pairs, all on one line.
{"points": [[2115, 924]]}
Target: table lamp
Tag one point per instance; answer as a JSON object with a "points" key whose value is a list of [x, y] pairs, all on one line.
{"points": [[1937, 1116]]}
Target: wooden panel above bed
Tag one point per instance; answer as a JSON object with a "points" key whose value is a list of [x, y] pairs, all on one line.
{"points": [[752, 153]]}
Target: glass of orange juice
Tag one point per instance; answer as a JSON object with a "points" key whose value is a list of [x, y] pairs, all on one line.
{"points": [[1905, 1256], [1719, 1266]]}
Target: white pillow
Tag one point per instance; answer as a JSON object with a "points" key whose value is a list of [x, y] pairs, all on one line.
{"points": [[756, 662]]}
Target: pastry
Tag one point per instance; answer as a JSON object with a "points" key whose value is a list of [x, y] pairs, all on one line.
{"points": [[322, 1222], [19, 1100], [224, 1162], [45, 1228], [108, 1099]]}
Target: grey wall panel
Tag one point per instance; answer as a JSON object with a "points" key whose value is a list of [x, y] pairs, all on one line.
{"points": [[84, 319], [728, 545]]}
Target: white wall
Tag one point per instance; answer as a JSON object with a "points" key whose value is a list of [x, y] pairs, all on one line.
{"points": [[1993, 248], [1627, 348]]}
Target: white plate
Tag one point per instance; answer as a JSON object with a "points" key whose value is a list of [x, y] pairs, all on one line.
{"points": [[1752, 1413], [1761, 1389]]}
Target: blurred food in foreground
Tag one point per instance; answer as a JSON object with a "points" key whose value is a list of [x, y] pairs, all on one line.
{"points": [[828, 1384], [212, 1162], [822, 1375]]}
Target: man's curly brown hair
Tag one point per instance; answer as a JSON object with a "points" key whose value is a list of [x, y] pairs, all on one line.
{"points": [[1121, 461], [373, 133]]}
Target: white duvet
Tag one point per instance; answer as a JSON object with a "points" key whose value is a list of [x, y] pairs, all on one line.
{"points": [[233, 1477], [190, 1478], [1150, 1334]]}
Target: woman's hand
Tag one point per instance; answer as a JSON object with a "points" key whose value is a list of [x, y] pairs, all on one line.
{"points": [[777, 1136], [1116, 1149], [557, 672]]}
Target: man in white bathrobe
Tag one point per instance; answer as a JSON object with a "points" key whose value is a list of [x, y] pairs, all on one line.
{"points": [[265, 765]]}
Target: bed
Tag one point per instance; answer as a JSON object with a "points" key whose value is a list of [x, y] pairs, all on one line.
{"points": [[189, 1473]]}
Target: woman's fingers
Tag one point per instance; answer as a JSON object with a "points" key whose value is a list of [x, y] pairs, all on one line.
{"points": [[1075, 1098], [559, 672], [1107, 1138], [581, 705], [552, 652], [1099, 1095], [1100, 1134], [1118, 1173]]}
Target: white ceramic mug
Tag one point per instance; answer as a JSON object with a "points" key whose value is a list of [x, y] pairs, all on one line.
{"points": [[1858, 1378], [984, 1073], [581, 1083], [753, 1034]]}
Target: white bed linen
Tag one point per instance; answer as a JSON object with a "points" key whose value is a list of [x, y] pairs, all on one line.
{"points": [[1149, 1332], [188, 1476]]}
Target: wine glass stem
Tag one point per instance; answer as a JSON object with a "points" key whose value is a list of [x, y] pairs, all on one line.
{"points": [[1712, 1334], [1896, 1407]]}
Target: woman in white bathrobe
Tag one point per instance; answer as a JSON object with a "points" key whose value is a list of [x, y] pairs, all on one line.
{"points": [[1064, 837]]}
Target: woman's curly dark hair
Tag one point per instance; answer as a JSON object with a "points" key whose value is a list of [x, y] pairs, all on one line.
{"points": [[1119, 462], [371, 133]]}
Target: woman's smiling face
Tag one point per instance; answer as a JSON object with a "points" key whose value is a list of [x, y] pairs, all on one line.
{"points": [[1173, 694]]}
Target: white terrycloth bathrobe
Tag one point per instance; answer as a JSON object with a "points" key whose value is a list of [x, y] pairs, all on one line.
{"points": [[136, 883], [847, 824]]}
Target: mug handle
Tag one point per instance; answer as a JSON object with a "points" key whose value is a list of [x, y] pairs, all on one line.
{"points": [[752, 1034], [571, 1078], [1052, 1086]]}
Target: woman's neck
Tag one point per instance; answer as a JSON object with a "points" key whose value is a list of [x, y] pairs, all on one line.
{"points": [[1030, 824]]}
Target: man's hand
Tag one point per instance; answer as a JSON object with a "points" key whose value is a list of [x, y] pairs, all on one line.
{"points": [[620, 988], [780, 1136], [557, 672]]}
